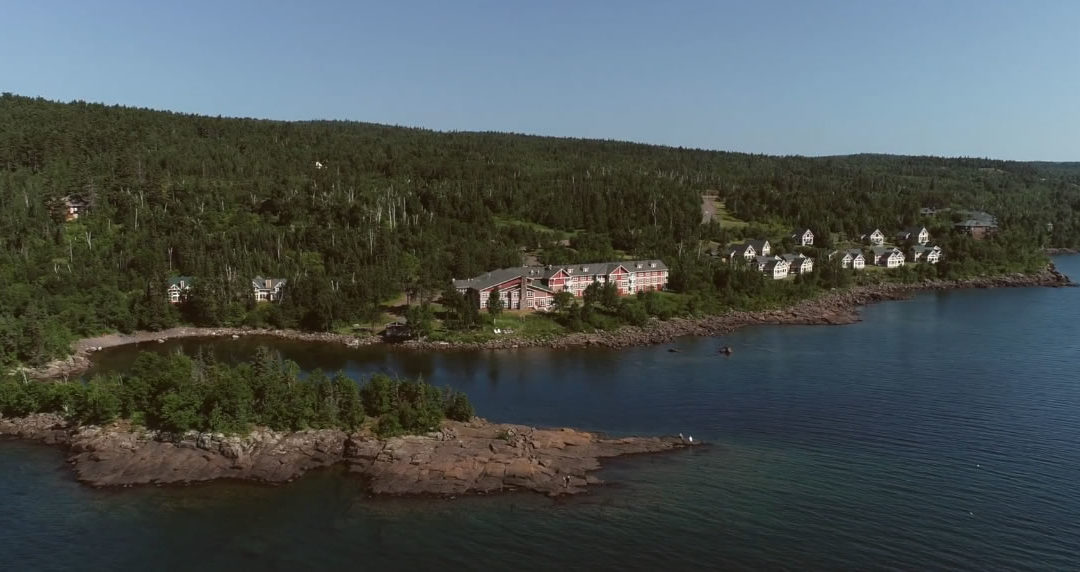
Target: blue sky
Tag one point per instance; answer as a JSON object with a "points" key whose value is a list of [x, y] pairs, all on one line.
{"points": [[991, 78]]}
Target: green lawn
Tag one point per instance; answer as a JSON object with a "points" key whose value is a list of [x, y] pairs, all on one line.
{"points": [[517, 324], [504, 221], [726, 219]]}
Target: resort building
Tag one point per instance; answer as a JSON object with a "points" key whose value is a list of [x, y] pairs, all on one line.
{"points": [[803, 237], [977, 228], [776, 268], [917, 234], [761, 247], [887, 256], [267, 289], [745, 250], [534, 287], [798, 264], [178, 288], [873, 237], [928, 254]]}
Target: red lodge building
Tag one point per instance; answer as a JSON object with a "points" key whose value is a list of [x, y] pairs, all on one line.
{"points": [[534, 287]]}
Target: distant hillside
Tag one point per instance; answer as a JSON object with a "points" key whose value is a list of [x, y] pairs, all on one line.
{"points": [[353, 214]]}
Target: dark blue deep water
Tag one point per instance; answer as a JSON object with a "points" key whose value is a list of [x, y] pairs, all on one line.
{"points": [[939, 433]]}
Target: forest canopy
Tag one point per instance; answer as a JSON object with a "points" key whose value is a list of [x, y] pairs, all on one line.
{"points": [[354, 214], [178, 394]]}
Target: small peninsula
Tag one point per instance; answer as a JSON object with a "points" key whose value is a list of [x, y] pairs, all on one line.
{"points": [[177, 420], [473, 457]]}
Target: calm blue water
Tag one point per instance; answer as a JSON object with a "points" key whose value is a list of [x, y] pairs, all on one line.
{"points": [[939, 433]]}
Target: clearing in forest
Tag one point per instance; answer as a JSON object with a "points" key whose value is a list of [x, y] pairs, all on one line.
{"points": [[712, 208]]}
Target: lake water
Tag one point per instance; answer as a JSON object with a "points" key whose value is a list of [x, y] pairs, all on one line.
{"points": [[938, 433]]}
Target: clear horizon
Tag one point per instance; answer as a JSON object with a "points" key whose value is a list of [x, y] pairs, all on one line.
{"points": [[956, 79]]}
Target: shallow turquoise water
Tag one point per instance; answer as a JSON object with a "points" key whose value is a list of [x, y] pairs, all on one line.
{"points": [[939, 433]]}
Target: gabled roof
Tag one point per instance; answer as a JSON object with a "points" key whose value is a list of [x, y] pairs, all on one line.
{"points": [[771, 266], [915, 229], [495, 277], [921, 248], [803, 231], [538, 286], [980, 216], [880, 250], [596, 268], [74, 201], [870, 231], [645, 265], [758, 245], [976, 223], [177, 280], [766, 259], [260, 283], [799, 259], [854, 252], [740, 249]]}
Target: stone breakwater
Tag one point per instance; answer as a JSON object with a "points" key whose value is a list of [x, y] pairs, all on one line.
{"points": [[837, 307], [477, 457]]}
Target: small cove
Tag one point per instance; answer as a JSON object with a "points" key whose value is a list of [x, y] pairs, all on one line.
{"points": [[937, 433]]}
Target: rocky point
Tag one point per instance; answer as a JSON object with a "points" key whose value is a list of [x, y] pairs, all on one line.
{"points": [[476, 457]]}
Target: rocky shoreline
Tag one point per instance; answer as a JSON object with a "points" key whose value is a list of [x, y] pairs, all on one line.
{"points": [[477, 457], [831, 308]]}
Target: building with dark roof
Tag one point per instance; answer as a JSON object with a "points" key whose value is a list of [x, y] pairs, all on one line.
{"points": [[534, 287]]}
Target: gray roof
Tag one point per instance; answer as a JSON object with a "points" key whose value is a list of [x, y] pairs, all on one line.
{"points": [[758, 245], [879, 250], [976, 223], [921, 248], [739, 249], [496, 277], [606, 268], [795, 258], [590, 268], [765, 259], [772, 265], [260, 283], [980, 216], [540, 287], [646, 265], [914, 229], [802, 231], [870, 231], [855, 252], [177, 280]]}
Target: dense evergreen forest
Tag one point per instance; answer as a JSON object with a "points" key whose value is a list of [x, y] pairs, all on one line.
{"points": [[177, 394], [355, 214]]}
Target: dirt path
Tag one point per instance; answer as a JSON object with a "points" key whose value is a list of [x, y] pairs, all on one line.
{"points": [[708, 208]]}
